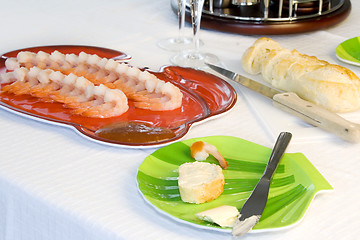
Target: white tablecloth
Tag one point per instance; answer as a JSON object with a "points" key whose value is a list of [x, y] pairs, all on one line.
{"points": [[54, 184]]}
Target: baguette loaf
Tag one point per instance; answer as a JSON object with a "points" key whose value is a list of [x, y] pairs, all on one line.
{"points": [[200, 182], [328, 85]]}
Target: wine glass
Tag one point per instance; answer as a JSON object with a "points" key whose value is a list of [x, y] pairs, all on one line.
{"points": [[194, 58], [181, 42]]}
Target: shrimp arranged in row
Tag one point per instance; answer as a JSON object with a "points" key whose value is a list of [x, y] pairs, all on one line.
{"points": [[77, 93], [145, 89]]}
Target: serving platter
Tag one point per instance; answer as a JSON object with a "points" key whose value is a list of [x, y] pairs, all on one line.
{"points": [[293, 187], [204, 96], [349, 51]]}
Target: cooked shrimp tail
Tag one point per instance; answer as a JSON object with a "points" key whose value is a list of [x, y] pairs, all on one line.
{"points": [[200, 151]]}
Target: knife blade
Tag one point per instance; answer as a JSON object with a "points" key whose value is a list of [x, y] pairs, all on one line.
{"points": [[290, 102], [254, 206]]}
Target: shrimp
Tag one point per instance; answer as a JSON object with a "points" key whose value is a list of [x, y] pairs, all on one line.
{"points": [[145, 89], [76, 93], [200, 151], [23, 82]]}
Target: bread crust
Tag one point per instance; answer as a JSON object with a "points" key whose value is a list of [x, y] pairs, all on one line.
{"points": [[200, 190], [331, 86]]}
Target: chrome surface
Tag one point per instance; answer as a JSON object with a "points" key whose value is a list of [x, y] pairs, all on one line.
{"points": [[254, 206], [245, 2], [271, 10], [247, 82]]}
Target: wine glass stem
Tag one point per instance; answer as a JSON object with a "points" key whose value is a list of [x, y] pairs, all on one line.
{"points": [[196, 7], [181, 18]]}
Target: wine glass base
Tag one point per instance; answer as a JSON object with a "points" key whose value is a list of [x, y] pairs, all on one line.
{"points": [[175, 44], [194, 60]]}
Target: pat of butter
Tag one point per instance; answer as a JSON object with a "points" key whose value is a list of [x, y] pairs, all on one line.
{"points": [[224, 216]]}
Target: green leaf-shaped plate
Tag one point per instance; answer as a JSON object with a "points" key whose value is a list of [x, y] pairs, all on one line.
{"points": [[349, 51], [293, 187]]}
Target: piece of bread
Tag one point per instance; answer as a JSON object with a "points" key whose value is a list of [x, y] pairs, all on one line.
{"points": [[257, 53], [331, 86], [200, 182]]}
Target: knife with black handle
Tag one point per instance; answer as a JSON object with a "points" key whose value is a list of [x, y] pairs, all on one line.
{"points": [[293, 104], [253, 208]]}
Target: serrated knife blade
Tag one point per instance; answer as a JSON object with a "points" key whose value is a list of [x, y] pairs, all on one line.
{"points": [[253, 208], [293, 104]]}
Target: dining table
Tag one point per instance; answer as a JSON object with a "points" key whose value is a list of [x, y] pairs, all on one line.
{"points": [[57, 184]]}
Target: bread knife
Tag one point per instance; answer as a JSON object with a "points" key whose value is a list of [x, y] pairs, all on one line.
{"points": [[254, 206], [290, 102]]}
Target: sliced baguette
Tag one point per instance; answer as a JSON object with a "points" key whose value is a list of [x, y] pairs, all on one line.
{"points": [[200, 182], [331, 86], [255, 55]]}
